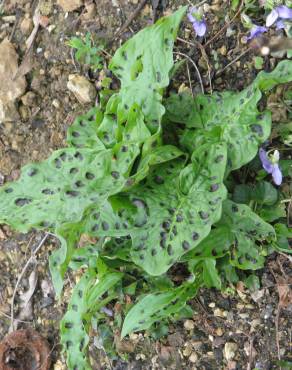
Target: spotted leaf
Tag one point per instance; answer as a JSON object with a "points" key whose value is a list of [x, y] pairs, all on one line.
{"points": [[60, 189], [158, 306], [87, 297], [234, 118], [181, 205], [143, 65]]}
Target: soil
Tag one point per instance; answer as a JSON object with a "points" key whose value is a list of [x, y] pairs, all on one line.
{"points": [[231, 330]]}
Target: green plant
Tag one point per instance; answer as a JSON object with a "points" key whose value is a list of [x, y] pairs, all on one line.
{"points": [[86, 52], [146, 201]]}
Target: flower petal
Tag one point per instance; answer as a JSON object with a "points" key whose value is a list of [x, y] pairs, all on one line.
{"points": [[191, 18], [255, 31], [200, 27], [280, 24], [276, 156], [272, 17], [284, 12], [266, 163], [277, 174], [191, 14]]}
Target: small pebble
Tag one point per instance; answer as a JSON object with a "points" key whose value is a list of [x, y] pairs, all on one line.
{"points": [[189, 324]]}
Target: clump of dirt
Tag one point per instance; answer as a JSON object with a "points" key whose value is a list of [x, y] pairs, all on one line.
{"points": [[24, 350]]}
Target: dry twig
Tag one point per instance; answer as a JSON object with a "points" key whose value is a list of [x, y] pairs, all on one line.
{"points": [[196, 68], [204, 55], [225, 26], [131, 18], [29, 261]]}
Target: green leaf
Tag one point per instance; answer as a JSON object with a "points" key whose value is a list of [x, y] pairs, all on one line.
{"points": [[265, 193], [182, 204], [210, 275], [248, 232], [252, 282], [158, 306], [179, 107], [284, 234], [281, 74], [242, 194], [234, 118], [83, 132], [87, 295], [60, 189], [143, 65], [273, 213], [73, 329]]}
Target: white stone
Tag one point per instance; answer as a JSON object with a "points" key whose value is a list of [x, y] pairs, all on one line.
{"points": [[230, 349], [10, 89], [84, 91], [70, 5]]}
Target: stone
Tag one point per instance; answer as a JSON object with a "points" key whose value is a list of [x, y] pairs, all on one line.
{"points": [[70, 5], [10, 89], [189, 324], [84, 91], [29, 99], [26, 25], [230, 349], [193, 358]]}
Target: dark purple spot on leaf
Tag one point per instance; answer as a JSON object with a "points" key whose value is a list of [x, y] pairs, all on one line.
{"points": [[73, 170], [48, 191], [20, 202], [78, 156], [258, 129], [170, 250], [159, 180], [214, 187], [72, 193], [185, 245], [89, 176], [32, 172], [115, 174], [203, 215], [68, 325], [219, 158], [105, 226], [166, 225]]}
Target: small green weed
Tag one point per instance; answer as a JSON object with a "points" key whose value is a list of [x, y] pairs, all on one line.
{"points": [[86, 53]]}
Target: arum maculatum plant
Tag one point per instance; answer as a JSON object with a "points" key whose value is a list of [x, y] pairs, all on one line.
{"points": [[144, 184]]}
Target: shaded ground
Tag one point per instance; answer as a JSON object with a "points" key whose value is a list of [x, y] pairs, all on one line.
{"points": [[237, 317]]}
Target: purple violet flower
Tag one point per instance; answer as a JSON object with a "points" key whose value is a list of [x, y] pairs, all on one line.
{"points": [[271, 166], [197, 21], [280, 24], [256, 31], [282, 12]]}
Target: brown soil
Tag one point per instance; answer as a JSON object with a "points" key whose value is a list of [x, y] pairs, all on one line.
{"points": [[236, 316]]}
